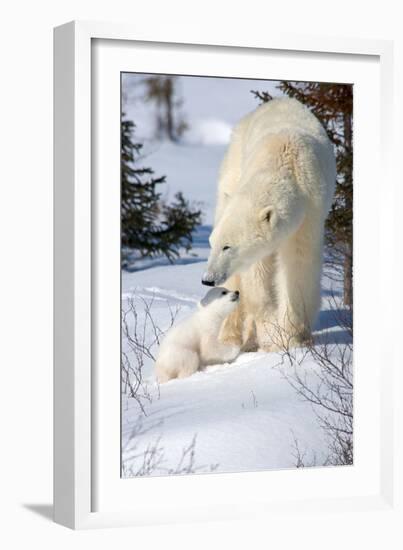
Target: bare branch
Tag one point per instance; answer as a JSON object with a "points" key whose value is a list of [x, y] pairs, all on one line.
{"points": [[139, 338], [328, 386]]}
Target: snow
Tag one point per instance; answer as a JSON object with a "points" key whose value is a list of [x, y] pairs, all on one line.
{"points": [[211, 131], [242, 416]]}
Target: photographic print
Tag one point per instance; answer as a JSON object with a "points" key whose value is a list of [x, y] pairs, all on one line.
{"points": [[236, 274]]}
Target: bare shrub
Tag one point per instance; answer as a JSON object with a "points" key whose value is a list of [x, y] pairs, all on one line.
{"points": [[328, 386], [300, 455], [136, 333], [255, 402], [151, 461]]}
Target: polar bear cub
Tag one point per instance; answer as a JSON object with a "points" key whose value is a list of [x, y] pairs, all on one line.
{"points": [[193, 343]]}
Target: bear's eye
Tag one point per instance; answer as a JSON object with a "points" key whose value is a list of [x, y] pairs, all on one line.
{"points": [[224, 292], [226, 248]]}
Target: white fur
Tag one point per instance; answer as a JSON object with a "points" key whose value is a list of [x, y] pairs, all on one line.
{"points": [[275, 189], [193, 343]]}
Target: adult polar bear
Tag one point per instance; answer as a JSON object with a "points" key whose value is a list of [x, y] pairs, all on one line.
{"points": [[275, 189]]}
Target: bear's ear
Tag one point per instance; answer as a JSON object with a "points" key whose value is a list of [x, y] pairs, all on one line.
{"points": [[265, 214]]}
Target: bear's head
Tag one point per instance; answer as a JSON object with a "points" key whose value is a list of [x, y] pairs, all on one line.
{"points": [[250, 228], [220, 301]]}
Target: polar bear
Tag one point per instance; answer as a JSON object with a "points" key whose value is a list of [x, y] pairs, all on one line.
{"points": [[275, 189], [193, 343]]}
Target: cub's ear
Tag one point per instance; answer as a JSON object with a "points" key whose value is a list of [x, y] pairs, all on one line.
{"points": [[266, 214]]}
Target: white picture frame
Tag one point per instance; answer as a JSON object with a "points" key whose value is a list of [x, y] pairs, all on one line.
{"points": [[88, 491]]}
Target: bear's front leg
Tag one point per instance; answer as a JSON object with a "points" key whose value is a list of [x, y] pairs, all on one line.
{"points": [[231, 330], [269, 335], [239, 331], [273, 336], [298, 287]]}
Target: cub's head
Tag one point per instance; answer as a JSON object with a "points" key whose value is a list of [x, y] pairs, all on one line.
{"points": [[220, 301]]}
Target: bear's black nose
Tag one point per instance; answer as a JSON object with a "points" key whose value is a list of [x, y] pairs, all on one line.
{"points": [[207, 283]]}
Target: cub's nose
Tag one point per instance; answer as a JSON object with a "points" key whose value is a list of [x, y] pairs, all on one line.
{"points": [[235, 296]]}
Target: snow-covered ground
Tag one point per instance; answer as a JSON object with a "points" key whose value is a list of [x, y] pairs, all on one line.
{"points": [[233, 417]]}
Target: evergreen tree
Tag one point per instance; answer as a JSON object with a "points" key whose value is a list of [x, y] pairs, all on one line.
{"points": [[161, 90], [149, 225], [333, 106]]}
